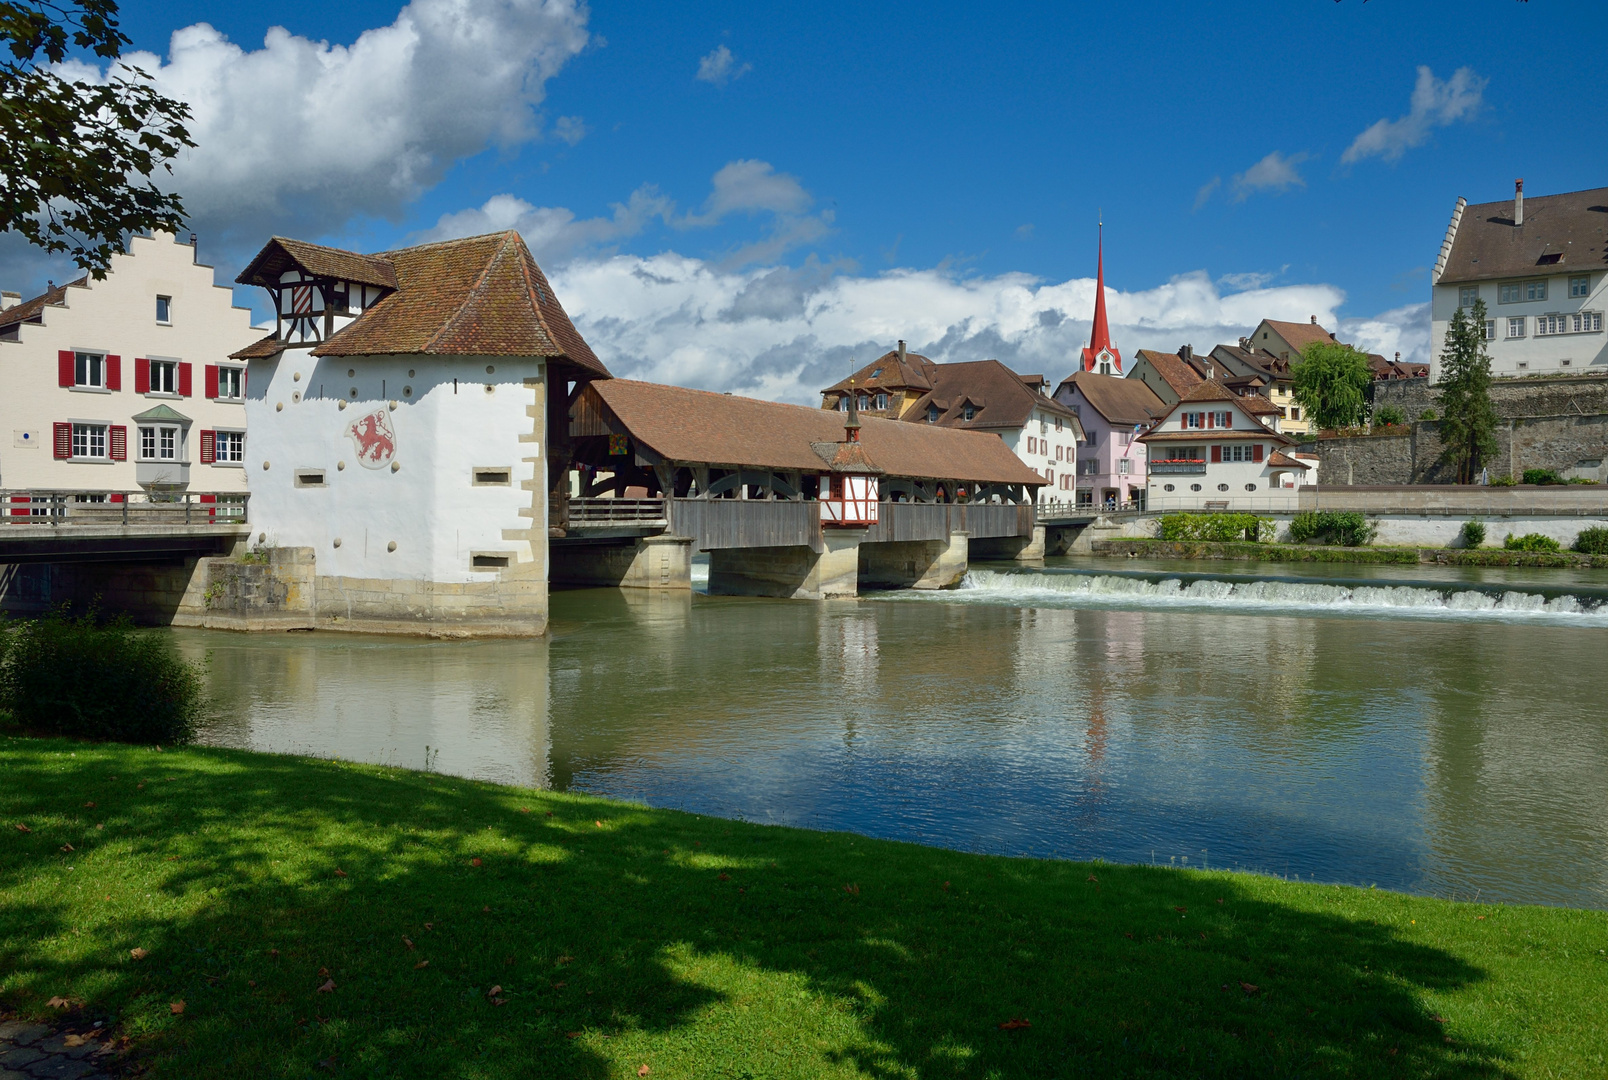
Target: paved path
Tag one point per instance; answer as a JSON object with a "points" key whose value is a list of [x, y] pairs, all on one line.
{"points": [[37, 1052]]}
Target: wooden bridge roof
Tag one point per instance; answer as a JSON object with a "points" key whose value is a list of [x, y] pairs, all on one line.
{"points": [[700, 427]]}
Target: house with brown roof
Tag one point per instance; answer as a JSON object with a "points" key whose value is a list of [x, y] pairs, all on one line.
{"points": [[402, 415], [1541, 267], [978, 395], [1114, 412], [1169, 376], [122, 388], [1217, 450]]}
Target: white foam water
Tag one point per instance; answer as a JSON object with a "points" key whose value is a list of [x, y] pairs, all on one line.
{"points": [[1038, 589]]}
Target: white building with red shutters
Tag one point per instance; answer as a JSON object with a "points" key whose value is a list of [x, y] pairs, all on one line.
{"points": [[1213, 452], [125, 384]]}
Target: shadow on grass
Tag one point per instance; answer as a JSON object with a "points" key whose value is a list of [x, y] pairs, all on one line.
{"points": [[701, 946]]}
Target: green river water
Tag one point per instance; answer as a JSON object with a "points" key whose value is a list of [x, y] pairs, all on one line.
{"points": [[1435, 730]]}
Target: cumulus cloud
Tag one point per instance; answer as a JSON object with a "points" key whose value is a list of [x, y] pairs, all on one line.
{"points": [[720, 67], [1434, 104], [784, 333], [302, 136], [750, 187], [554, 233], [1275, 173], [1207, 190], [1404, 330], [570, 129]]}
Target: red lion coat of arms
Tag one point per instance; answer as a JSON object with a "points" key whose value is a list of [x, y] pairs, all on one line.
{"points": [[373, 438]]}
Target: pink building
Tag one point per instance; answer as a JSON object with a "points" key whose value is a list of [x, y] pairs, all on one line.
{"points": [[1114, 412]]}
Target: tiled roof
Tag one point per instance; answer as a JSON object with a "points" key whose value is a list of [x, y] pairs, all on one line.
{"points": [[1299, 334], [282, 253], [1120, 400], [1561, 234], [480, 296], [1279, 457], [1211, 390], [1001, 399], [1205, 435], [32, 309], [1179, 375], [259, 349], [723, 429], [1256, 403], [886, 372]]}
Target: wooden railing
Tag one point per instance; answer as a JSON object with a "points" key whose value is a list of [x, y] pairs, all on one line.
{"points": [[68, 509], [584, 512]]}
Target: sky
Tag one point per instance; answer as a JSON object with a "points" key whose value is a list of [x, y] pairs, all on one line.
{"points": [[754, 197]]}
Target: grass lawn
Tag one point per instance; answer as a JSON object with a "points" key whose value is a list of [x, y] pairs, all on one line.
{"points": [[310, 912]]}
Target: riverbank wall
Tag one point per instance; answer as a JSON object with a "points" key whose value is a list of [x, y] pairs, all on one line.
{"points": [[1304, 553]]}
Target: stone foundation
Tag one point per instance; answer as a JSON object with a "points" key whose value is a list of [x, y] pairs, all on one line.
{"points": [[914, 564], [792, 573], [651, 562], [1021, 548]]}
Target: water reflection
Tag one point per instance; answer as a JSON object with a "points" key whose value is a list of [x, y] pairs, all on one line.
{"points": [[1445, 757]]}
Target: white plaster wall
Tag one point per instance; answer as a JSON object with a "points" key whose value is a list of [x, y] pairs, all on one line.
{"points": [[1586, 353], [429, 505], [1444, 531], [118, 316], [1041, 426]]}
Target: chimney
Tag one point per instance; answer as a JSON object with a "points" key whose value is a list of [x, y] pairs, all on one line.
{"points": [[1398, 358], [1186, 353], [901, 351], [1314, 319], [1245, 343], [9, 299], [1518, 201]]}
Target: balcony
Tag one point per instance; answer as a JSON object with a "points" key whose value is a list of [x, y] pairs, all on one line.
{"points": [[1178, 468]]}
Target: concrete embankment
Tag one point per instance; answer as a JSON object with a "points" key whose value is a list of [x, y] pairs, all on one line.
{"points": [[1298, 553]]}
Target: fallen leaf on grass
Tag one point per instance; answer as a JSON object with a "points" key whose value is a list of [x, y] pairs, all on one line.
{"points": [[486, 909], [1014, 1025], [89, 806], [421, 964], [572, 1034], [1128, 936], [1439, 1019], [68, 847], [429, 926], [1477, 918], [1180, 910], [138, 953], [1249, 988], [1094, 879], [549, 813], [251, 982], [560, 985], [474, 862], [643, 1070], [339, 872], [58, 1003], [23, 828], [328, 987], [853, 890], [494, 991], [172, 858], [499, 1001], [946, 884], [327, 1063], [524, 809], [565, 959], [79, 1040], [599, 824], [274, 953], [1219, 899], [176, 1008], [725, 877], [407, 942], [324, 971]]}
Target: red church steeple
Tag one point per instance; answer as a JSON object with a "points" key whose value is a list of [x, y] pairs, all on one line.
{"points": [[1101, 355]]}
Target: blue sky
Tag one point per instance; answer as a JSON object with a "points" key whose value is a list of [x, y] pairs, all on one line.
{"points": [[843, 174]]}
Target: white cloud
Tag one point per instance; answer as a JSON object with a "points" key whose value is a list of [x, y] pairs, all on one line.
{"points": [[1404, 330], [1207, 190], [720, 67], [570, 129], [1434, 104], [1275, 173], [750, 187], [553, 232], [783, 333], [304, 137]]}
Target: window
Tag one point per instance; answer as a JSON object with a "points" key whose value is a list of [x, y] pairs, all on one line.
{"points": [[89, 440], [1518, 292], [1222, 487], [160, 442], [1124, 466], [1580, 286], [1585, 322], [1515, 327], [1057, 423], [1467, 294], [164, 377], [932, 414], [842, 404], [1295, 413], [1490, 329], [1167, 487], [310, 478], [496, 477], [1089, 467], [489, 562], [1222, 419], [882, 402], [1058, 452], [89, 369], [1547, 325], [231, 446], [231, 383], [1194, 487], [865, 402], [1194, 420], [1250, 487], [164, 309], [970, 411]]}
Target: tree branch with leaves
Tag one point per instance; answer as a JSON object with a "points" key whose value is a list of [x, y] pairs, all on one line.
{"points": [[1331, 382], [76, 158], [1468, 419]]}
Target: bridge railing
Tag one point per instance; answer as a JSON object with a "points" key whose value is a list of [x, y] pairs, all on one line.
{"points": [[68, 509], [584, 512]]}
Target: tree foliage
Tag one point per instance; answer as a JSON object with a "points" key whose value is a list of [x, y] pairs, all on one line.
{"points": [[76, 158], [1331, 383], [1468, 419]]}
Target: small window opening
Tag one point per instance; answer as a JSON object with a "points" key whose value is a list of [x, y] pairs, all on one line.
{"points": [[164, 309], [493, 477], [490, 562], [306, 478]]}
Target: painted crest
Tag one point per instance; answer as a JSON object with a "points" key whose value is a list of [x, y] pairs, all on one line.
{"points": [[373, 438]]}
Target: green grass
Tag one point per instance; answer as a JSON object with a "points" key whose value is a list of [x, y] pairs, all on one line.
{"points": [[623, 936]]}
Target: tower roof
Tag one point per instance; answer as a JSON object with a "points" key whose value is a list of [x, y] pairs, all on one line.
{"points": [[1100, 336]]}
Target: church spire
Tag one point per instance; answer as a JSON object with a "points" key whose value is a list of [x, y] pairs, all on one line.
{"points": [[1101, 355]]}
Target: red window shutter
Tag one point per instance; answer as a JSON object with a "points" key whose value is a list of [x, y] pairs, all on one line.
{"points": [[1228, 419], [63, 439], [212, 380], [64, 368], [1256, 452], [209, 447], [142, 375], [117, 442], [1217, 453], [1211, 419], [184, 379], [114, 373], [116, 497]]}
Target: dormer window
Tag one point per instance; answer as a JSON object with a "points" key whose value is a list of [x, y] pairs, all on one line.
{"points": [[882, 401], [932, 414], [340, 298], [970, 411]]}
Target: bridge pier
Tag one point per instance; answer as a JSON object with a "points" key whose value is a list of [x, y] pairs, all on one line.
{"points": [[915, 564], [792, 573], [1026, 548], [644, 562]]}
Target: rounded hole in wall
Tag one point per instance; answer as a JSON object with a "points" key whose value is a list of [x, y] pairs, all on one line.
{"points": [[490, 389], [351, 373], [354, 392], [262, 538], [1166, 487], [407, 391], [411, 373], [1250, 487], [391, 546], [1194, 487], [490, 370], [1222, 487], [295, 396]]}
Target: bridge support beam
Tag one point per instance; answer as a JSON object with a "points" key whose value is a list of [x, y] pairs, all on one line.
{"points": [[914, 564], [794, 573], [647, 562]]}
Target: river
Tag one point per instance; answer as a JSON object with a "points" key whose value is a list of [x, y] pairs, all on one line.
{"points": [[1434, 730]]}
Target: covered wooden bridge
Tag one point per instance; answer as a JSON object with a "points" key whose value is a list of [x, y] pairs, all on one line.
{"points": [[662, 471]]}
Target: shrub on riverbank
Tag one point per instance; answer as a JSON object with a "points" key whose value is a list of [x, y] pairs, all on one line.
{"points": [[1531, 542], [1592, 541], [242, 914], [97, 678], [1344, 528], [1220, 528], [1473, 534], [1543, 477]]}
